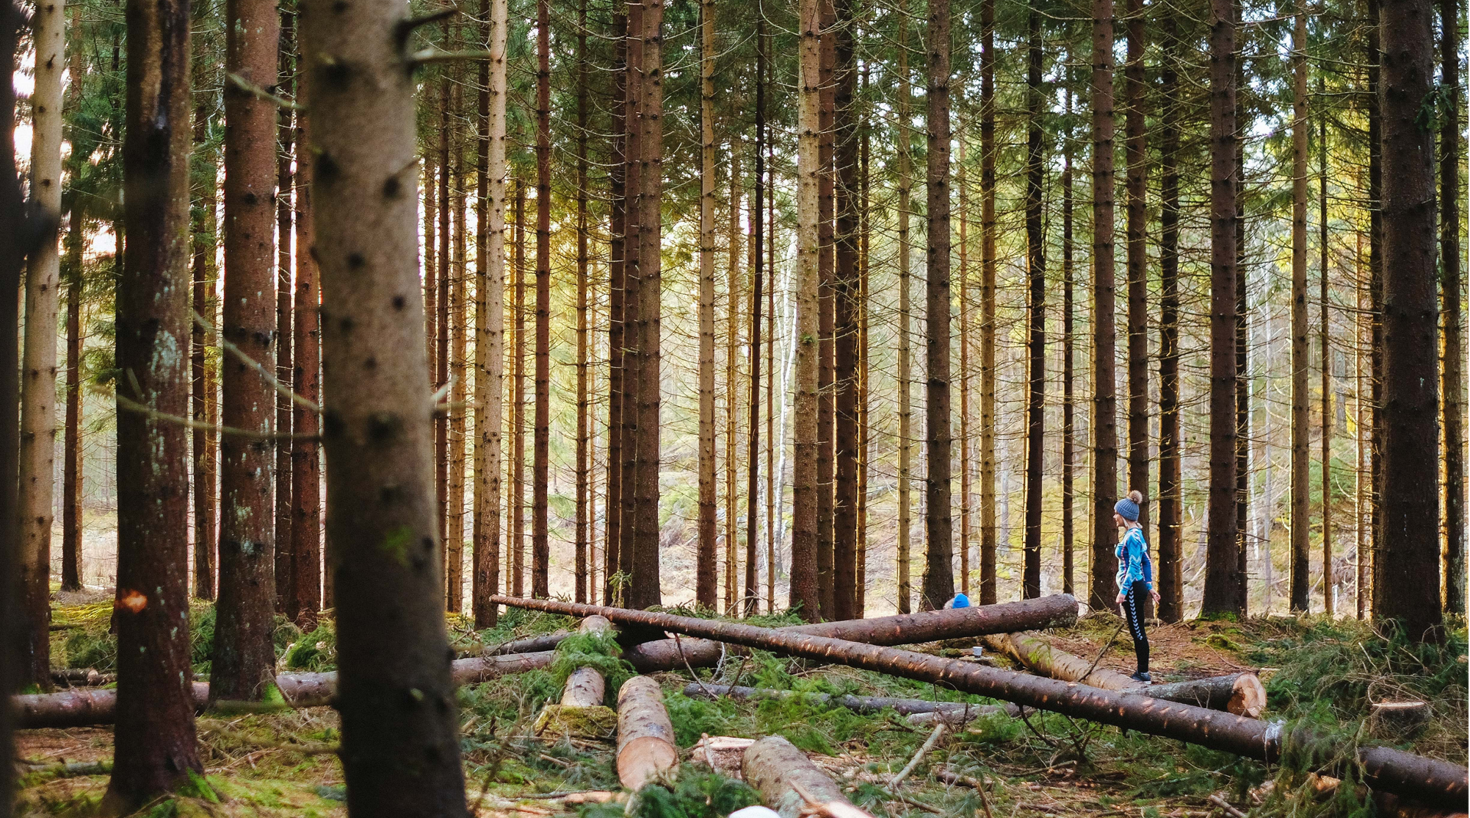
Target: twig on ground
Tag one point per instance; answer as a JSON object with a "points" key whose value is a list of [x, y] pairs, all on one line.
{"points": [[678, 643], [1030, 727], [978, 785], [1105, 649], [934, 737], [1225, 805]]}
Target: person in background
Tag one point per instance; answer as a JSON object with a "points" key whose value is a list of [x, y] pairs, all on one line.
{"points": [[1135, 577]]}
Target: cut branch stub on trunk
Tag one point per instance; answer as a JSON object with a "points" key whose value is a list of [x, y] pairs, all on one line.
{"points": [[1428, 780], [859, 704], [1238, 693], [646, 745], [790, 783]]}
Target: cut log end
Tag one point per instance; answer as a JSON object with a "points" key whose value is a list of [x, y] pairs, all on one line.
{"points": [[646, 745], [1248, 697]]}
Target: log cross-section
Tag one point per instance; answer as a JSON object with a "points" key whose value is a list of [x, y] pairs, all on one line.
{"points": [[1434, 782]]}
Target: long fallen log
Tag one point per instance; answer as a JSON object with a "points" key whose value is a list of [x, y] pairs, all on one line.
{"points": [[1427, 780], [791, 784], [646, 744], [1238, 693], [529, 644], [84, 707], [858, 704]]}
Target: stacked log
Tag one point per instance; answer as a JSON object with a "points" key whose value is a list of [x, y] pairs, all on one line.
{"points": [[646, 746], [1427, 780]]}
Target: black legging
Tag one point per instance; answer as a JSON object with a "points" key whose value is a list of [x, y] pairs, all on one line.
{"points": [[1133, 612]]}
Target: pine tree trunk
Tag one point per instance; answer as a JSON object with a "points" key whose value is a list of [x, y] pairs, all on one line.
{"points": [[1036, 308], [938, 570], [516, 547], [1452, 300], [1364, 495], [397, 758], [826, 305], [1221, 593], [204, 403], [490, 311], [71, 480], [771, 476], [583, 519], [284, 565], [732, 374], [442, 310], [1104, 392], [1069, 424], [1171, 487], [38, 364], [987, 303], [863, 431], [1242, 350], [155, 744], [1374, 103], [757, 273], [1329, 580], [845, 295], [12, 260], [617, 282], [1406, 586], [244, 655], [458, 330], [804, 488], [429, 254], [541, 451], [706, 571], [1301, 490], [632, 281], [964, 378], [306, 466], [905, 333], [1136, 152]]}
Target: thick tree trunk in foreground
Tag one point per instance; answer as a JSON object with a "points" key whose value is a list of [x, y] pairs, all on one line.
{"points": [[1222, 589], [12, 259], [156, 748], [1406, 581], [400, 752], [1452, 303], [706, 576], [1434, 782], [939, 523], [789, 781], [859, 704], [306, 461], [804, 590], [244, 656], [1301, 490], [1104, 390], [646, 745], [34, 514]]}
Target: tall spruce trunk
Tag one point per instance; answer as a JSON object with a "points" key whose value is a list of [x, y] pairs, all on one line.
{"points": [[632, 280], [541, 444], [1136, 152], [966, 528], [1222, 591], [458, 330], [1103, 586], [757, 274], [845, 319], [1301, 490], [306, 465], [1374, 104], [583, 520], [864, 361], [1069, 423], [71, 479], [12, 260], [1171, 486], [1329, 580], [827, 317], [1452, 387], [400, 752], [516, 505], [939, 550], [204, 401], [1406, 584], [244, 656], [905, 333], [804, 590], [987, 303], [616, 289], [285, 556], [155, 746], [736, 243], [490, 310], [35, 514], [442, 286], [1035, 307], [770, 218], [705, 570]]}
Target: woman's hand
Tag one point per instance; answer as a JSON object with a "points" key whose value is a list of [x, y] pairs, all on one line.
{"points": [[1121, 596], [1155, 595]]}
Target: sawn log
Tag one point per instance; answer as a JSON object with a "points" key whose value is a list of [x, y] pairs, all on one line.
{"points": [[646, 744], [1427, 780], [790, 783]]}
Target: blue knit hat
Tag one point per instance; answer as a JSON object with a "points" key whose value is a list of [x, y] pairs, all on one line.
{"points": [[1127, 509]]}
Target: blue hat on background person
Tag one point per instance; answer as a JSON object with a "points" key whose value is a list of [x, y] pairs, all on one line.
{"points": [[959, 601], [1127, 508]]}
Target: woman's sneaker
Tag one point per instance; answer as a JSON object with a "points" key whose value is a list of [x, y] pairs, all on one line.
{"points": [[1142, 678]]}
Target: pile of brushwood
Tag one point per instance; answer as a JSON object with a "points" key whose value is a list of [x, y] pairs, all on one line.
{"points": [[599, 723]]}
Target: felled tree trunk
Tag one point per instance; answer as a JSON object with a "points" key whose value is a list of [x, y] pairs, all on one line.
{"points": [[860, 704], [1238, 693], [530, 644], [645, 735], [790, 783], [581, 712], [1428, 780]]}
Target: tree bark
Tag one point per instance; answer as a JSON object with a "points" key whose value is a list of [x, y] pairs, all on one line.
{"points": [[1069, 423], [616, 299], [71, 480], [490, 311], [1035, 308], [1301, 490], [400, 752], [736, 243], [1136, 153], [516, 506], [13, 250], [204, 405], [1432, 781], [541, 452], [1171, 485], [905, 353], [757, 274], [1104, 392], [306, 467], [826, 316], [790, 782], [1452, 300], [646, 746], [285, 569], [706, 573], [1329, 581], [155, 743], [444, 286], [987, 302], [1222, 591], [939, 551], [1406, 585], [962, 182], [845, 294], [244, 656], [35, 514], [1374, 104], [458, 329], [632, 281], [804, 487], [583, 433]]}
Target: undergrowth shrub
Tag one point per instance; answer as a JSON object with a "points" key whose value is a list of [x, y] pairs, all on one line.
{"points": [[316, 651], [694, 793]]}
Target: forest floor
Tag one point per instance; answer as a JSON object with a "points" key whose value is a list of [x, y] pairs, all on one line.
{"points": [[1325, 672]]}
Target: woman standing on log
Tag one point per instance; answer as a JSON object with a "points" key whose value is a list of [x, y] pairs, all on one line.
{"points": [[1135, 577]]}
